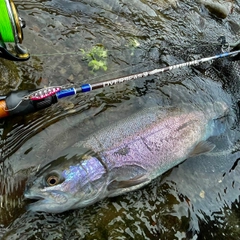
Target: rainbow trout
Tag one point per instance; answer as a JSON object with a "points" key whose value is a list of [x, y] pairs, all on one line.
{"points": [[124, 156]]}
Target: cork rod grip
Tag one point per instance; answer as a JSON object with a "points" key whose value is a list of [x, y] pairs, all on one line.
{"points": [[3, 109]]}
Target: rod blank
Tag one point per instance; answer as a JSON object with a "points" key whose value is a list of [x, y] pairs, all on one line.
{"points": [[89, 87]]}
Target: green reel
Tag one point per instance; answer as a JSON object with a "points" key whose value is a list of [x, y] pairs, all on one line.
{"points": [[11, 26]]}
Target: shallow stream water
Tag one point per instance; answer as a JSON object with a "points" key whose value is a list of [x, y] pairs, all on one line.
{"points": [[199, 199]]}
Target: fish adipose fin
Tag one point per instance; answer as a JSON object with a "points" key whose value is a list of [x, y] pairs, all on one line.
{"points": [[114, 185], [201, 148]]}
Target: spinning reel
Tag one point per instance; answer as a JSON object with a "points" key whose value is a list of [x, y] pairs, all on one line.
{"points": [[11, 26]]}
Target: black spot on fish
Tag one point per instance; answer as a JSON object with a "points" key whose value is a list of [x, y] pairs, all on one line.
{"points": [[234, 165], [122, 151], [184, 125]]}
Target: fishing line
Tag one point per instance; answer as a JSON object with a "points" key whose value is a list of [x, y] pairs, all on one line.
{"points": [[78, 52], [225, 47], [221, 42], [92, 78], [56, 54]]}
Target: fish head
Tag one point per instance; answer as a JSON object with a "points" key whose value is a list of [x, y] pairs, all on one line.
{"points": [[49, 192], [68, 185]]}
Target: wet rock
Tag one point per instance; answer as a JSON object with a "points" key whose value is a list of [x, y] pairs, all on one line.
{"points": [[8, 75], [167, 3], [219, 8]]}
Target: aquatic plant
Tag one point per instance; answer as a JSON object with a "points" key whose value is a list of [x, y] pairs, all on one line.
{"points": [[96, 57], [133, 44]]}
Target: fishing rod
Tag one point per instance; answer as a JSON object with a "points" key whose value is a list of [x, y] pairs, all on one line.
{"points": [[29, 101]]}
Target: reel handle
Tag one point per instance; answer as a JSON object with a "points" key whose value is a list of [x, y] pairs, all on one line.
{"points": [[22, 54]]}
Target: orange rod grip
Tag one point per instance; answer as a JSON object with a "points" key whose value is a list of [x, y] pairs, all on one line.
{"points": [[3, 109]]}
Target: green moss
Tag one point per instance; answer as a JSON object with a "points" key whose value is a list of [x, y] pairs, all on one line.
{"points": [[96, 57], [133, 43]]}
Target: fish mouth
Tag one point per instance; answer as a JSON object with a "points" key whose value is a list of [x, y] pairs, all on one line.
{"points": [[38, 202], [30, 197], [32, 200], [35, 196]]}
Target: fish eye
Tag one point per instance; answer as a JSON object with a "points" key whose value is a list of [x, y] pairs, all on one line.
{"points": [[53, 179]]}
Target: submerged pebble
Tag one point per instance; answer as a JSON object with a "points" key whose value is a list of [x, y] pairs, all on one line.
{"points": [[219, 8]]}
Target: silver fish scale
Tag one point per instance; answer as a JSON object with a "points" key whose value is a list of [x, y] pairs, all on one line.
{"points": [[130, 128], [148, 139], [160, 144]]}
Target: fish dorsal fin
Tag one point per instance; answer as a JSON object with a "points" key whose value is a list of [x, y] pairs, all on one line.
{"points": [[114, 185], [201, 148]]}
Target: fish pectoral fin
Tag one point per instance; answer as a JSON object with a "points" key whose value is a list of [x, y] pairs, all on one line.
{"points": [[127, 183], [201, 148]]}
